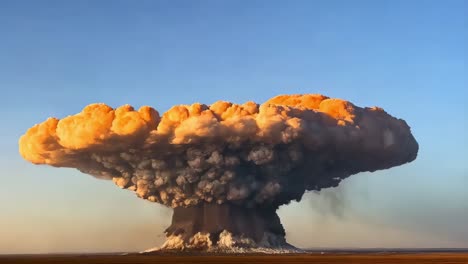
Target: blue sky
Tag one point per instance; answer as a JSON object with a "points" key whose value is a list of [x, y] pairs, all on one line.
{"points": [[408, 57]]}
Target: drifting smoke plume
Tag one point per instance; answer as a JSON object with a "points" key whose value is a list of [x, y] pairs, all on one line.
{"points": [[240, 156]]}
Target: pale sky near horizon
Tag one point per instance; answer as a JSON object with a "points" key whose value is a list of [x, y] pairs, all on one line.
{"points": [[408, 57]]}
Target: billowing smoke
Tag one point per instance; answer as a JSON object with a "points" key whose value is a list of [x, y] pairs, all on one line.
{"points": [[245, 157]]}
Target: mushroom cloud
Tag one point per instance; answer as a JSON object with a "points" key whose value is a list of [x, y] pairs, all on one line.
{"points": [[225, 168]]}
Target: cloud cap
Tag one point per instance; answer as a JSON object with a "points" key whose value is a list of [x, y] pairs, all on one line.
{"points": [[247, 154]]}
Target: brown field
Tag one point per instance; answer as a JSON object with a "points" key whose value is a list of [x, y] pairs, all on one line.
{"points": [[317, 258]]}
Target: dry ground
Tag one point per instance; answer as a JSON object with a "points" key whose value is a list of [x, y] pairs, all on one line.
{"points": [[316, 258]]}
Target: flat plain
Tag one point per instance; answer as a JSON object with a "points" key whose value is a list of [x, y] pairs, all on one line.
{"points": [[317, 258]]}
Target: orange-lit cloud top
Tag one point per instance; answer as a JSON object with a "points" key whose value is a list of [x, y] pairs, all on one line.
{"points": [[224, 152]]}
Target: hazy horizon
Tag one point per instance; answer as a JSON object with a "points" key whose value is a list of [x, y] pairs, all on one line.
{"points": [[406, 57]]}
